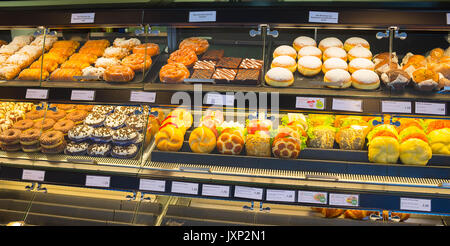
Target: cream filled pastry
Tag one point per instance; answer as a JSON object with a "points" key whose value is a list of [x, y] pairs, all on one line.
{"points": [[330, 42], [303, 41], [338, 76], [309, 65], [359, 52], [360, 63], [334, 63], [334, 52], [285, 50], [352, 42], [365, 79], [280, 77], [285, 62], [310, 51]]}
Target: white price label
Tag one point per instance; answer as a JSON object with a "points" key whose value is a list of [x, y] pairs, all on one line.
{"points": [[323, 17], [82, 95], [312, 197], [448, 18], [396, 107], [185, 188], [280, 195], [344, 199], [430, 108], [141, 96], [310, 103], [216, 190], [152, 185], [248, 192], [219, 99], [202, 16], [36, 94], [98, 181], [347, 105], [82, 18], [415, 204], [35, 175]]}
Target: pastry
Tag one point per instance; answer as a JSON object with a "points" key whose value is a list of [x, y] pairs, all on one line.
{"points": [[330, 42], [3, 58], [10, 140], [359, 52], [198, 45], [250, 63], [286, 144], [75, 64], [396, 79], [52, 142], [99, 149], [224, 74], [339, 76], [115, 52], [248, 74], [51, 56], [309, 65], [115, 120], [186, 57], [202, 74], [425, 79], [352, 136], [103, 109], [124, 152], [214, 55], [279, 77], [202, 140], [360, 63], [93, 73], [310, 51], [101, 43], [334, 52], [440, 141], [385, 66], [9, 49], [95, 51], [80, 133], [102, 135], [66, 43], [205, 65], [48, 65], [258, 144], [35, 114], [23, 124], [124, 136], [365, 79], [173, 73], [44, 124], [76, 149], [104, 62], [352, 42], [9, 71], [180, 117], [384, 149], [230, 141], [128, 44], [118, 73], [334, 63], [21, 60], [62, 51], [331, 212], [95, 119], [321, 136], [303, 41], [22, 40], [285, 50], [29, 140], [284, 62], [435, 55], [57, 116], [384, 57], [137, 62], [32, 51], [136, 122], [66, 107], [355, 214], [65, 74], [229, 62], [85, 58], [33, 74], [169, 138], [150, 49]]}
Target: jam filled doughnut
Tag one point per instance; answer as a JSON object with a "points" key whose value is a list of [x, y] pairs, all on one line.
{"points": [[185, 56], [365, 79], [309, 65], [330, 42], [173, 73], [279, 77], [118, 73], [198, 45], [138, 62], [359, 52], [310, 51], [353, 42], [285, 62], [35, 114], [334, 52], [77, 116], [150, 49], [44, 125], [285, 50], [64, 126], [23, 124], [334, 63], [29, 140]]}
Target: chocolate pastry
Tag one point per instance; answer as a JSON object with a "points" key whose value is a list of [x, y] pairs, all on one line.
{"points": [[250, 63], [202, 74], [248, 74], [205, 64], [213, 55], [229, 62], [223, 73]]}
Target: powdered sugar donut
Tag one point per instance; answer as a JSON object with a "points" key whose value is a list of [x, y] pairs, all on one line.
{"points": [[280, 77], [309, 65], [352, 42], [338, 76], [334, 63], [285, 62], [359, 52], [365, 79], [285, 50], [330, 42], [303, 41], [128, 44], [360, 63], [335, 52], [105, 62], [310, 51], [95, 72]]}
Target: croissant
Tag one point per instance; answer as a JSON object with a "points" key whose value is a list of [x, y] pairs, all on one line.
{"points": [[9, 71], [66, 44], [33, 74], [64, 51], [169, 138], [65, 74], [48, 65], [97, 51], [75, 64], [202, 140]]}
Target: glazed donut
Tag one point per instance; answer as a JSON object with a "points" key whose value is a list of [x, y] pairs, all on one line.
{"points": [[309, 65], [185, 56], [173, 73], [118, 73], [279, 77], [352, 42], [35, 114], [365, 79], [359, 52], [332, 212], [51, 139], [77, 116], [23, 124], [64, 126], [136, 62], [45, 124], [87, 108], [360, 63], [310, 51], [303, 41], [58, 115], [10, 136], [152, 49], [285, 50], [334, 63], [285, 62], [330, 42], [66, 107], [334, 52], [198, 45], [338, 76], [30, 136]]}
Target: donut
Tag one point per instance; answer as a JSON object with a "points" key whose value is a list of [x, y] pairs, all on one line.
{"points": [[359, 52], [186, 57], [198, 45], [279, 77], [334, 63], [80, 133], [310, 51], [10, 136], [77, 116], [330, 42], [338, 76], [334, 52], [29, 140], [285, 62], [87, 108], [66, 107], [124, 152], [58, 115], [51, 139], [285, 50], [118, 73], [44, 125], [309, 65], [23, 124], [138, 62], [173, 73], [360, 63], [35, 114], [54, 150], [150, 49], [352, 42], [365, 79], [64, 126], [102, 135], [95, 119], [303, 41]]}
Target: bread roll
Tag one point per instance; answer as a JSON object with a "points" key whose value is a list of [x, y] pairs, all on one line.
{"points": [[202, 140]]}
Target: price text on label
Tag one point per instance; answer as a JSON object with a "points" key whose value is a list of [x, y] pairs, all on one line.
{"points": [[310, 103], [312, 197], [415, 204], [152, 185], [185, 188], [36, 175], [216, 190], [141, 96], [347, 105], [82, 18], [430, 108], [248, 192], [396, 107], [202, 16], [280, 195], [98, 181], [36, 94], [323, 17], [344, 199], [82, 95]]}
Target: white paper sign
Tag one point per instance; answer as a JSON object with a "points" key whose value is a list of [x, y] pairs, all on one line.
{"points": [[98, 181], [185, 188], [36, 94], [248, 192], [141, 96], [448, 18], [219, 99], [280, 195], [323, 17], [152, 185], [396, 107], [344, 199], [82, 95], [415, 204], [430, 108], [216, 190], [312, 197], [202, 16], [310, 103], [347, 105], [35, 175], [82, 18]]}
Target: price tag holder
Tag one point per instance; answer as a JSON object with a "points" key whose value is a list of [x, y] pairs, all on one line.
{"points": [[98, 181], [202, 16], [248, 192], [323, 17], [415, 204], [82, 95], [185, 188], [152, 185], [82, 18], [35, 175], [36, 94], [312, 197], [142, 96], [219, 99], [347, 105], [344, 200], [396, 107], [317, 103], [431, 108], [280, 195], [216, 190]]}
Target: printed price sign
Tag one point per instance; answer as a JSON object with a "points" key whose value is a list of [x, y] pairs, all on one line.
{"points": [[152, 185], [312, 197], [344, 199], [430, 108], [141, 96], [323, 17], [280, 195], [82, 18], [202, 16], [185, 188], [396, 107], [98, 181], [82, 95], [36, 94], [448, 18], [248, 192], [310, 103], [35, 175], [347, 105], [415, 204], [219, 99], [215, 190]]}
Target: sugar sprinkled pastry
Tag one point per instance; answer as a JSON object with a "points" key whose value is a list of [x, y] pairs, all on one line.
{"points": [[354, 42], [360, 63], [338, 76], [334, 52], [309, 65], [310, 51], [359, 52], [279, 77], [334, 63], [285, 50], [330, 42], [285, 62], [303, 41], [365, 79]]}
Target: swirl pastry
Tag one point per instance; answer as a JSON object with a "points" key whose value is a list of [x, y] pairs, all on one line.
{"points": [[106, 62], [202, 140], [136, 62], [173, 73], [198, 45], [150, 49], [169, 138], [186, 57]]}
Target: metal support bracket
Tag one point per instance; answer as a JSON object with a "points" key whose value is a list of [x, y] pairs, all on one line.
{"points": [[251, 208], [253, 33]]}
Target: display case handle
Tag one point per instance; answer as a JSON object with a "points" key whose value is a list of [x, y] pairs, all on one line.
{"points": [[198, 169], [321, 177]]}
